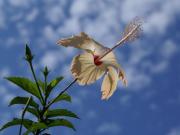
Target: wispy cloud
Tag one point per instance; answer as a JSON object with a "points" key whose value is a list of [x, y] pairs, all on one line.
{"points": [[109, 127], [6, 96], [20, 3], [91, 114], [32, 15], [2, 16], [174, 131]]}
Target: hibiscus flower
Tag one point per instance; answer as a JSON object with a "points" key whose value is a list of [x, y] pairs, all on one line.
{"points": [[98, 60]]}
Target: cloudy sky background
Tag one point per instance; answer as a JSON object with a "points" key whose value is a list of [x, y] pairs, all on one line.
{"points": [[150, 105]]}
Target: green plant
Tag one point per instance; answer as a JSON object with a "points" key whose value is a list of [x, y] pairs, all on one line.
{"points": [[41, 107]]}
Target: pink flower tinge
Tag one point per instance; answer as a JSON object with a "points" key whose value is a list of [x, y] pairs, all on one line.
{"points": [[89, 66]]}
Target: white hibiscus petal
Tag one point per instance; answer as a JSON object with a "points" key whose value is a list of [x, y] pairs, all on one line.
{"points": [[109, 83], [110, 60], [122, 77], [82, 41], [84, 69]]}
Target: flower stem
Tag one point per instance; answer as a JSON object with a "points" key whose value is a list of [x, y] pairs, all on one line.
{"points": [[45, 89], [32, 70], [23, 114], [62, 92]]}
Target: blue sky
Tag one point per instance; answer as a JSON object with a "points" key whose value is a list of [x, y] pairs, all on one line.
{"points": [[150, 105]]}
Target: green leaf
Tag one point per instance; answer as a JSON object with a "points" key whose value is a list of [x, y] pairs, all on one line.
{"points": [[26, 85], [41, 84], [26, 123], [23, 100], [33, 111], [64, 97], [50, 123], [61, 122], [35, 126], [53, 84], [60, 112]]}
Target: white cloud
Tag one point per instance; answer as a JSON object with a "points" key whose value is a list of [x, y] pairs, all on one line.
{"points": [[153, 107], [11, 41], [160, 19], [70, 26], [77, 102], [109, 127], [2, 20], [79, 8], [55, 14], [58, 58], [4, 72], [91, 114], [6, 96], [50, 34], [23, 33], [5, 117], [137, 79], [20, 3], [157, 14], [50, 59], [174, 131], [140, 68], [32, 15], [1, 2], [159, 67], [169, 48], [125, 100], [65, 71], [2, 16]]}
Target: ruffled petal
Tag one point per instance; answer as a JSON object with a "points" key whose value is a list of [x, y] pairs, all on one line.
{"points": [[122, 77], [82, 41], [84, 69], [110, 60], [109, 83]]}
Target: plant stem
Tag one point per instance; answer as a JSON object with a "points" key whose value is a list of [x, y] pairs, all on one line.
{"points": [[45, 89], [23, 114], [32, 69], [45, 108], [62, 92], [37, 132]]}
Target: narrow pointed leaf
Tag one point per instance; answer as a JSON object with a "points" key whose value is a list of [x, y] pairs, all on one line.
{"points": [[53, 84], [41, 84], [61, 122], [63, 97], [33, 111], [26, 123], [26, 85], [35, 126], [60, 112], [23, 100], [51, 123]]}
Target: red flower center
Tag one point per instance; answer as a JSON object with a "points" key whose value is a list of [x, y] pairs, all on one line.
{"points": [[96, 61]]}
